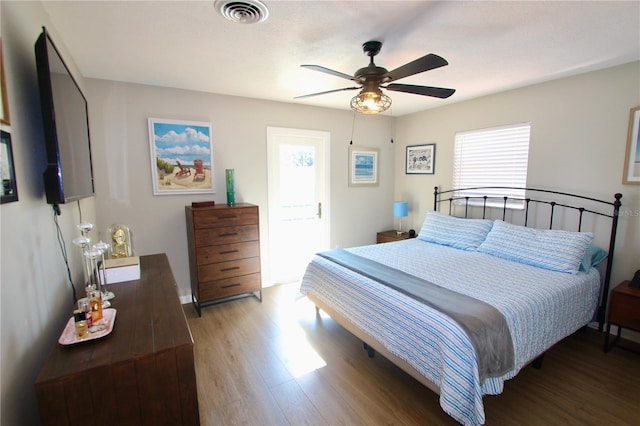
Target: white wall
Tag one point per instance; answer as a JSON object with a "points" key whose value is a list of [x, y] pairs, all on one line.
{"points": [[122, 165], [578, 139], [35, 295]]}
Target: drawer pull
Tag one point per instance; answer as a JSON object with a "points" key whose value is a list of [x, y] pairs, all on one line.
{"points": [[229, 269], [229, 251], [231, 285], [229, 234]]}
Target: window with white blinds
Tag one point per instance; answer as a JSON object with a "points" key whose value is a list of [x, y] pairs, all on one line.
{"points": [[492, 157]]}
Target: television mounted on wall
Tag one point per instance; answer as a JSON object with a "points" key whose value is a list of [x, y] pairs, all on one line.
{"points": [[69, 173]]}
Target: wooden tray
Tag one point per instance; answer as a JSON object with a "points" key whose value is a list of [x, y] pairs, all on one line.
{"points": [[68, 336]]}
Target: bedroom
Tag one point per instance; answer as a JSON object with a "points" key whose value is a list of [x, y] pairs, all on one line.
{"points": [[580, 125]]}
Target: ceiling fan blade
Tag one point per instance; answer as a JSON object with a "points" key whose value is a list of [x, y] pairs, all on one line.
{"points": [[328, 91], [426, 63], [329, 71], [436, 92]]}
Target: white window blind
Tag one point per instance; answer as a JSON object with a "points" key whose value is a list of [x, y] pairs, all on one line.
{"points": [[492, 157]]}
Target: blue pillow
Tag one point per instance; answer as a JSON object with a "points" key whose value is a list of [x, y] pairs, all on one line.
{"points": [[592, 257], [549, 249], [464, 234]]}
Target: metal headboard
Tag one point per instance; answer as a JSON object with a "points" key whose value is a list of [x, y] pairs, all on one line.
{"points": [[485, 202]]}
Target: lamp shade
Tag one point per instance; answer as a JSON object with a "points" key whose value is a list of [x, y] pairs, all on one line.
{"points": [[400, 209]]}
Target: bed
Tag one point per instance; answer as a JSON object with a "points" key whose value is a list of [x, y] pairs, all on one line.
{"points": [[474, 298]]}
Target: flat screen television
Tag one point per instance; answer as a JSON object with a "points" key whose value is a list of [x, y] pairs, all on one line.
{"points": [[69, 173]]}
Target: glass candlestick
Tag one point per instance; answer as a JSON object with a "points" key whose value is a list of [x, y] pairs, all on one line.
{"points": [[107, 295], [83, 242]]}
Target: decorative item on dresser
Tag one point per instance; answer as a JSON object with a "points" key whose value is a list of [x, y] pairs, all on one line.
{"points": [[624, 311], [224, 253]]}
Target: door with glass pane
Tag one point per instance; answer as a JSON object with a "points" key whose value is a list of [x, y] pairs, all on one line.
{"points": [[298, 210]]}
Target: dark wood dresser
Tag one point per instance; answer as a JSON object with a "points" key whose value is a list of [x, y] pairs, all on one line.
{"points": [[142, 373], [224, 253]]}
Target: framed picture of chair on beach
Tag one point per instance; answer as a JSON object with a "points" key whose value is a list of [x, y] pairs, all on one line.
{"points": [[181, 157]]}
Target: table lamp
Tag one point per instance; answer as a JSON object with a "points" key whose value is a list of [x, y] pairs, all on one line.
{"points": [[400, 209]]}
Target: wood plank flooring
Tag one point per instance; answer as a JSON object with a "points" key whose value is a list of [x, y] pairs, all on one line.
{"points": [[277, 363]]}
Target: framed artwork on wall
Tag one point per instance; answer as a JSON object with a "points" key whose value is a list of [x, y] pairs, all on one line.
{"points": [[421, 159], [4, 103], [7, 172], [181, 157], [631, 173], [363, 166]]}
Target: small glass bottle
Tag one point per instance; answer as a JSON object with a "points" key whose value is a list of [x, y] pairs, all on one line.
{"points": [[85, 306], [95, 301], [80, 320]]}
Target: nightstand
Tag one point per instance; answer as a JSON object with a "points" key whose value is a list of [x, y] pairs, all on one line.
{"points": [[390, 236], [624, 311]]}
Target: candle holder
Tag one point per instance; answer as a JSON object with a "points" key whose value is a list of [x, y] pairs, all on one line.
{"points": [[107, 295], [93, 260]]}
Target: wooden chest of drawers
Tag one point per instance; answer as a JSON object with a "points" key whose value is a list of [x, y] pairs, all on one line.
{"points": [[224, 253]]}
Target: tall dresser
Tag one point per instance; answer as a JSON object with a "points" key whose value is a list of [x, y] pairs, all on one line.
{"points": [[224, 253]]}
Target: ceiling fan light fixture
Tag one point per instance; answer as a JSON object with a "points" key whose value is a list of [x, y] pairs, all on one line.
{"points": [[242, 11], [370, 102]]}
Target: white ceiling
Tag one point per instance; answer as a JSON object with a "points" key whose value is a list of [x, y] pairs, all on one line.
{"points": [[491, 46]]}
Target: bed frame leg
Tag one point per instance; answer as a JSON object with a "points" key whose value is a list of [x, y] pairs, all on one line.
{"points": [[537, 363], [370, 351]]}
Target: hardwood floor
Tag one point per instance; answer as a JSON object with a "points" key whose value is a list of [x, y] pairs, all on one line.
{"points": [[277, 363]]}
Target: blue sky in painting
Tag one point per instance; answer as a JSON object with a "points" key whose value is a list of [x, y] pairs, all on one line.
{"points": [[182, 142]]}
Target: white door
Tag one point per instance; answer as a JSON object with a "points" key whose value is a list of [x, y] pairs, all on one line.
{"points": [[298, 209]]}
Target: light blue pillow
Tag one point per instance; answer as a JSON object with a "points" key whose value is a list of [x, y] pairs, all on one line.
{"points": [[549, 249], [464, 234], [592, 257]]}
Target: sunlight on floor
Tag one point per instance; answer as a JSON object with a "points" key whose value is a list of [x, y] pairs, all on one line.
{"points": [[301, 358]]}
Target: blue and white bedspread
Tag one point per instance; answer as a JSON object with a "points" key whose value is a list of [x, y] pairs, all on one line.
{"points": [[541, 307]]}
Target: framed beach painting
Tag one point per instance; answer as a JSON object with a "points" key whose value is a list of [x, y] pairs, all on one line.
{"points": [[421, 159], [632, 156], [363, 166], [181, 157]]}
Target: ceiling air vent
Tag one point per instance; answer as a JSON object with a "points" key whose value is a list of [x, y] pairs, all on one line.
{"points": [[242, 12]]}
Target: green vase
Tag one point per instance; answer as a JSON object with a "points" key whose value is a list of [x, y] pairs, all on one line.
{"points": [[231, 194]]}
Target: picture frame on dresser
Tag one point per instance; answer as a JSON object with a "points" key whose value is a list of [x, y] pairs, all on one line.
{"points": [[181, 157], [421, 159], [631, 173]]}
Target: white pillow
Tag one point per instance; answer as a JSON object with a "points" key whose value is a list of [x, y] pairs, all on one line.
{"points": [[549, 249], [464, 234]]}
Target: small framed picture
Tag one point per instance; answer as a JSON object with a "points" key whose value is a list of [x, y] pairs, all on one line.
{"points": [[363, 166], [632, 156], [181, 157], [421, 159], [7, 173]]}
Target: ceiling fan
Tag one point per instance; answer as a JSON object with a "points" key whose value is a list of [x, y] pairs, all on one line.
{"points": [[372, 78]]}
